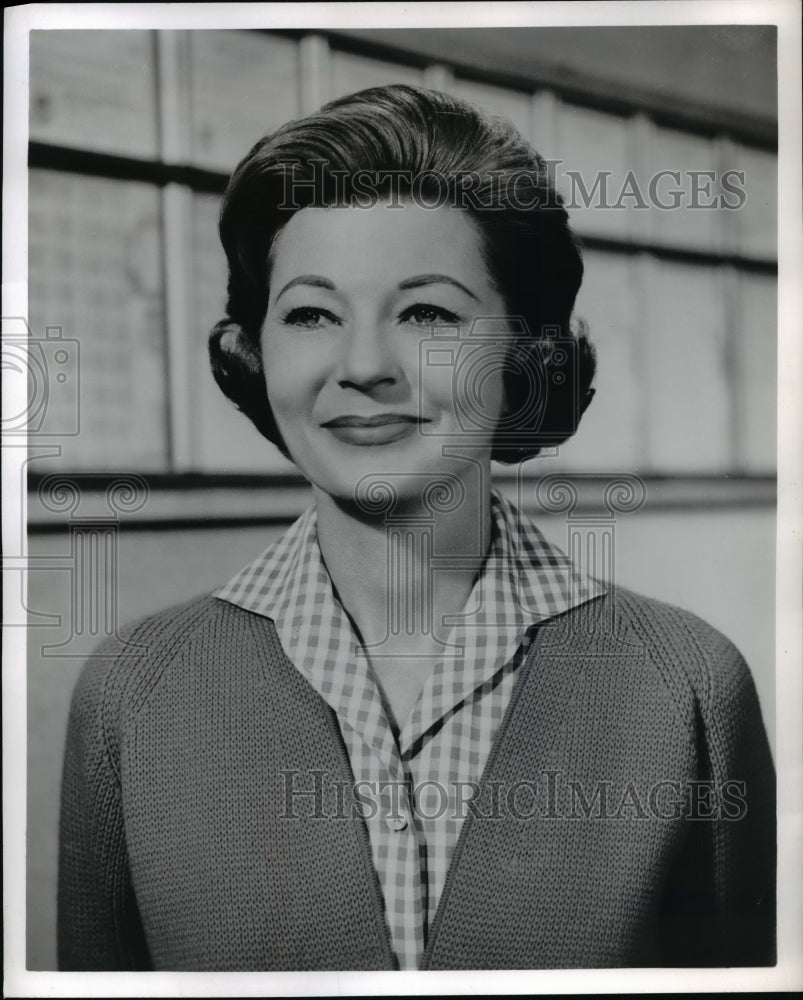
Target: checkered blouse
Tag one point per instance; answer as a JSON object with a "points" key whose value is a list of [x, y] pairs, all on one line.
{"points": [[413, 790]]}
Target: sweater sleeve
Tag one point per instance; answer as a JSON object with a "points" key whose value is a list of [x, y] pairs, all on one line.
{"points": [[744, 847], [98, 923], [725, 877]]}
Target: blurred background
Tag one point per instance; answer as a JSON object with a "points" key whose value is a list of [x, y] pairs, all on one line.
{"points": [[132, 137]]}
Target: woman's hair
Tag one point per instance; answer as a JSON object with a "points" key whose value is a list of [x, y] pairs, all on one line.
{"points": [[407, 143]]}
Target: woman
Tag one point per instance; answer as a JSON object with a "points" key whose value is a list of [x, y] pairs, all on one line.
{"points": [[411, 734]]}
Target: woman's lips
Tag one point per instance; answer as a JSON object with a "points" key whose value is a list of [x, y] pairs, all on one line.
{"points": [[381, 429]]}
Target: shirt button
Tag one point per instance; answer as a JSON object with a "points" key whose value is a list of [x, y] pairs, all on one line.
{"points": [[396, 823]]}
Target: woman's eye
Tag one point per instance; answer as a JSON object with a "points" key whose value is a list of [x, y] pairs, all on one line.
{"points": [[428, 315], [309, 317]]}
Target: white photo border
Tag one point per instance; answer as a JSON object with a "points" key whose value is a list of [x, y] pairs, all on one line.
{"points": [[786, 14]]}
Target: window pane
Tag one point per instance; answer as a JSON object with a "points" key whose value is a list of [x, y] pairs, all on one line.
{"points": [[243, 85], [351, 73], [688, 220], [96, 271], [610, 437], [94, 90], [594, 150], [757, 368], [689, 394], [756, 218]]}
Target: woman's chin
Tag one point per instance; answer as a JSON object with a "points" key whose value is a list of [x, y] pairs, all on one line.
{"points": [[396, 488]]}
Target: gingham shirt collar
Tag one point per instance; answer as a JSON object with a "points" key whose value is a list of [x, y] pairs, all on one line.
{"points": [[448, 737], [524, 580]]}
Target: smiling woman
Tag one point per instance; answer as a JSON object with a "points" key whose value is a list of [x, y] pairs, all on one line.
{"points": [[353, 402], [342, 353], [412, 733]]}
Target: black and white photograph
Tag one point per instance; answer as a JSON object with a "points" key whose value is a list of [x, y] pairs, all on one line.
{"points": [[401, 498]]}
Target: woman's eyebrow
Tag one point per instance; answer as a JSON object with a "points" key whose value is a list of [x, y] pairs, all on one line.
{"points": [[307, 279], [420, 280]]}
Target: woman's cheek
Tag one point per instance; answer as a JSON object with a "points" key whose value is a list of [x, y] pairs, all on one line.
{"points": [[280, 362], [287, 402]]}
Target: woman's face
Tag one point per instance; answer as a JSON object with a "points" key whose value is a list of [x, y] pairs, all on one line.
{"points": [[354, 294]]}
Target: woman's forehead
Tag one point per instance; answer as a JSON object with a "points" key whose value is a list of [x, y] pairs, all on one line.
{"points": [[379, 239]]}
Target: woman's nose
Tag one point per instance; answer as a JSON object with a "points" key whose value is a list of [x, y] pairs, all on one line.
{"points": [[368, 357]]}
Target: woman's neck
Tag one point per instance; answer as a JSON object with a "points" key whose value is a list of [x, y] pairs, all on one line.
{"points": [[385, 567]]}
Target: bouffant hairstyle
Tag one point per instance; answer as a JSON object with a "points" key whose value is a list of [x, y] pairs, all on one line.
{"points": [[416, 143]]}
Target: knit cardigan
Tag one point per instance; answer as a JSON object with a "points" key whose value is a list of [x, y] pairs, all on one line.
{"points": [[625, 816]]}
